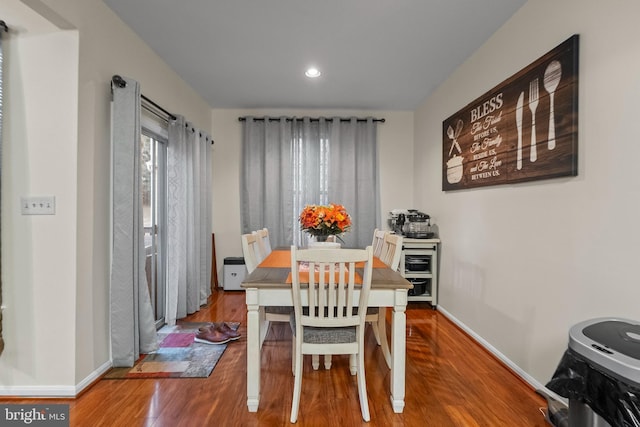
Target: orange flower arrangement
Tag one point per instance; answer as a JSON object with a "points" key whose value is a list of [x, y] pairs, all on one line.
{"points": [[319, 220]]}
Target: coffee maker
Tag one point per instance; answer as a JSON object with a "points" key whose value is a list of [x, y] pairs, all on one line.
{"points": [[411, 223], [418, 226]]}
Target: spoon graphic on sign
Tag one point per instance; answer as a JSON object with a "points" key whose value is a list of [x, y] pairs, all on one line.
{"points": [[552, 76]]}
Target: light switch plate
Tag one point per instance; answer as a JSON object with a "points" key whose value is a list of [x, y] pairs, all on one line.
{"points": [[38, 205]]}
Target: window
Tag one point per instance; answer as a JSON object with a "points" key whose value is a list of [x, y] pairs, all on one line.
{"points": [[290, 162]]}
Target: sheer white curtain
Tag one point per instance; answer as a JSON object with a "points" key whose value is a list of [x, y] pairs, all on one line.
{"points": [[132, 321], [188, 219], [310, 165], [290, 162]]}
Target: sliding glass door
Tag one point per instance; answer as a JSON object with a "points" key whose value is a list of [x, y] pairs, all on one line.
{"points": [[154, 152]]}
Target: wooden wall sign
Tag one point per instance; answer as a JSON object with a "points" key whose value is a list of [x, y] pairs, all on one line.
{"points": [[524, 129]]}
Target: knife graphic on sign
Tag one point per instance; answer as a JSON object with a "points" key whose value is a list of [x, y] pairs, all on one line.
{"points": [[519, 106]]}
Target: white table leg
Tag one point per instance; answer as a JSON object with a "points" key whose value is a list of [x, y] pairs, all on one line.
{"points": [[253, 349], [398, 350]]}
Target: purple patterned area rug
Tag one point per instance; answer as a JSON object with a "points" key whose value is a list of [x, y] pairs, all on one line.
{"points": [[178, 339], [178, 355]]}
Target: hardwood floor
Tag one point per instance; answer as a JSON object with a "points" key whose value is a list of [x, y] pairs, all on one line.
{"points": [[450, 381]]}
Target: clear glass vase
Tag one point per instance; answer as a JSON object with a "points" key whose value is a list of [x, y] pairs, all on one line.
{"points": [[322, 242]]}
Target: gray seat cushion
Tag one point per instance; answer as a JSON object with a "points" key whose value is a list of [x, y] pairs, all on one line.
{"points": [[325, 335], [370, 310], [278, 309]]}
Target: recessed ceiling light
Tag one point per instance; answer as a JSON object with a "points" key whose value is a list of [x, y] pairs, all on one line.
{"points": [[312, 73]]}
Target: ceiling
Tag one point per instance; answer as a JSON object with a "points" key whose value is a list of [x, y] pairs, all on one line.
{"points": [[373, 54]]}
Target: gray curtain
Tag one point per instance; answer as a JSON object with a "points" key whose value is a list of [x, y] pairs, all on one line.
{"points": [[132, 321], [265, 180], [290, 162], [188, 219], [353, 177], [3, 28]]}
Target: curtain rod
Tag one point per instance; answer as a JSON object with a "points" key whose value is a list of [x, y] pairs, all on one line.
{"points": [[274, 119], [171, 116], [120, 82]]}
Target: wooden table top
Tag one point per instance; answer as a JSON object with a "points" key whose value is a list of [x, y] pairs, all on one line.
{"points": [[276, 277]]}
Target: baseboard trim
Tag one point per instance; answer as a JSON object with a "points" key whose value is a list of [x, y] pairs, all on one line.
{"points": [[93, 377], [494, 351], [55, 391]]}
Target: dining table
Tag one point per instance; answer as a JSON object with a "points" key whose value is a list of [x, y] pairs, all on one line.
{"points": [[270, 285]]}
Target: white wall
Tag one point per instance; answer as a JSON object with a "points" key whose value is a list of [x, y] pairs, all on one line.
{"points": [[57, 141], [395, 149], [39, 158], [522, 263]]}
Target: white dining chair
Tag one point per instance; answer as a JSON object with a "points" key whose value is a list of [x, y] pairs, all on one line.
{"points": [[257, 248], [378, 240], [263, 241], [390, 254], [330, 320], [391, 251], [251, 251]]}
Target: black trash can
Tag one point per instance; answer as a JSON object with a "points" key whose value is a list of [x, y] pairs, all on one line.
{"points": [[600, 373]]}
